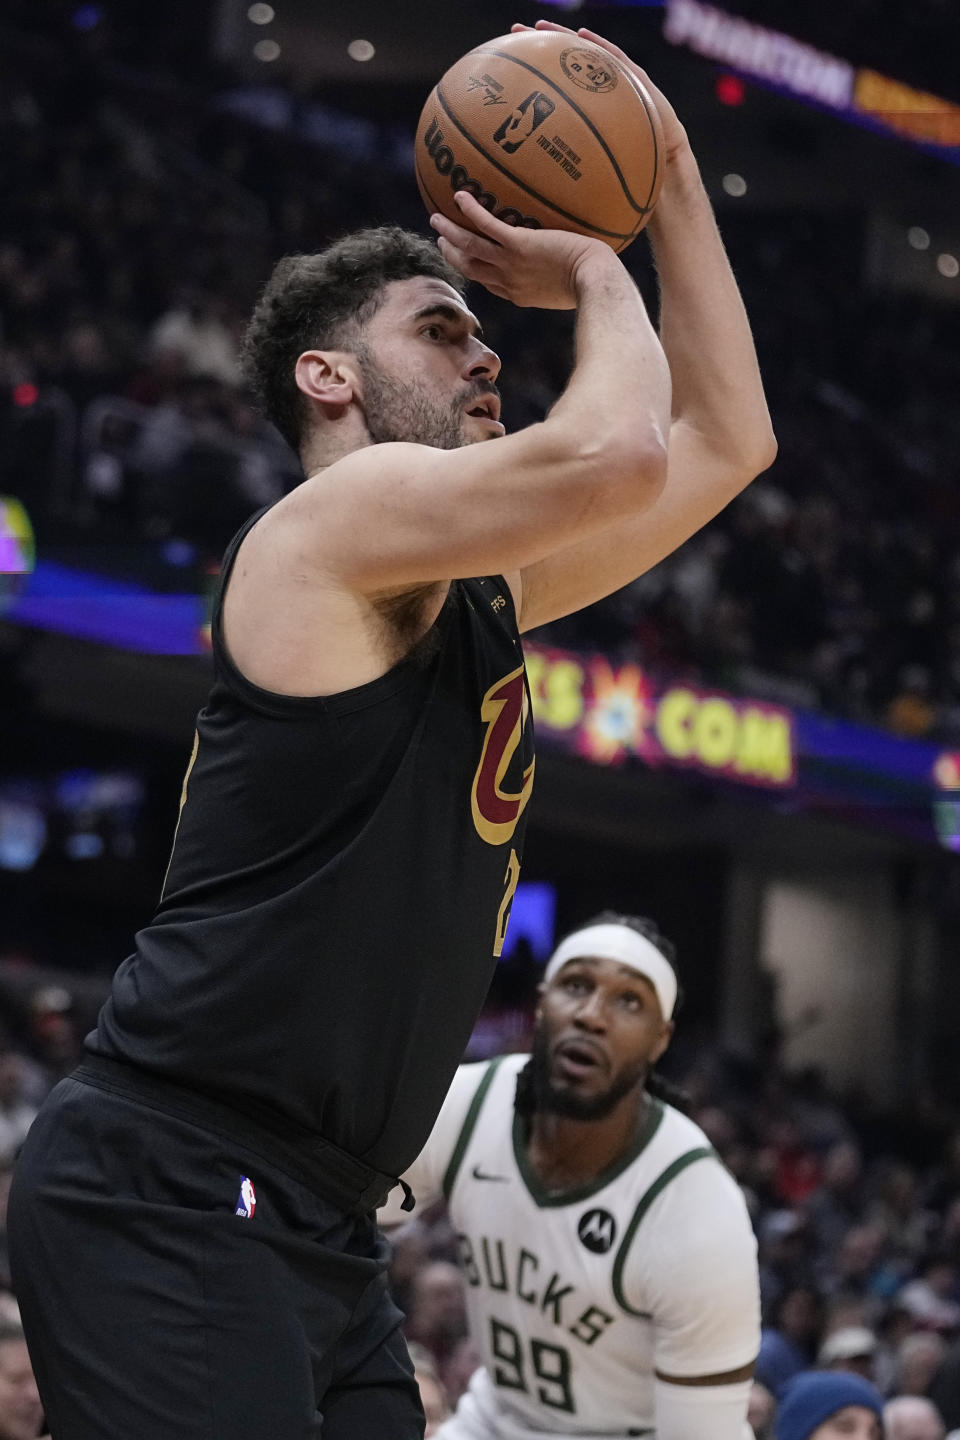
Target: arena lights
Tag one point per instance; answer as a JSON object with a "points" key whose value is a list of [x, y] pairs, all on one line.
{"points": [[862, 96], [361, 50], [261, 14], [730, 90], [87, 17], [734, 185], [949, 266], [267, 50], [18, 550], [918, 238]]}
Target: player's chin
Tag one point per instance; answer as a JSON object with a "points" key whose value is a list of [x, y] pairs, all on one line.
{"points": [[585, 1080]]}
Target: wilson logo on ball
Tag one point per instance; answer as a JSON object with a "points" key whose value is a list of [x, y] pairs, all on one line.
{"points": [[441, 153], [520, 124], [587, 69]]}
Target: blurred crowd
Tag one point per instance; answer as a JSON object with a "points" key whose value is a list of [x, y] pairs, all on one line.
{"points": [[138, 227]]}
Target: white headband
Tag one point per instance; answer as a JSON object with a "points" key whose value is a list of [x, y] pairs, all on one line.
{"points": [[628, 947]]}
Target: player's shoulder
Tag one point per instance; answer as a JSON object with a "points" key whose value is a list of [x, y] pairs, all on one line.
{"points": [[488, 1085], [479, 1105], [479, 1085], [681, 1128], [690, 1233], [686, 1148], [675, 1159], [300, 521], [675, 1139], [684, 1180]]}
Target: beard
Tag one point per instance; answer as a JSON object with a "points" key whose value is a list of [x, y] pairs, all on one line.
{"points": [[552, 1099], [406, 410]]}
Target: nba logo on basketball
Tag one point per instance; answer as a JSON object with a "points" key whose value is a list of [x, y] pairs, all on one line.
{"points": [[520, 124], [247, 1199]]}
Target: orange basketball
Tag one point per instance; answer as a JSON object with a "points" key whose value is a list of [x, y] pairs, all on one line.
{"points": [[545, 129]]}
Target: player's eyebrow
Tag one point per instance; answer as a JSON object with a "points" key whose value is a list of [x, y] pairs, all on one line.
{"points": [[624, 972], [453, 314]]}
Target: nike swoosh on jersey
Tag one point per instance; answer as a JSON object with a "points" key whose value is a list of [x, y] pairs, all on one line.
{"points": [[479, 1174]]}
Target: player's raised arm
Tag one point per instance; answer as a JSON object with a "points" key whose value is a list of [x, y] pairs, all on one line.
{"points": [[397, 514], [720, 436]]}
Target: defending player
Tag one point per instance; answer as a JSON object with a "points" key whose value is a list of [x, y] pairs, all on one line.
{"points": [[191, 1227], [611, 1268]]}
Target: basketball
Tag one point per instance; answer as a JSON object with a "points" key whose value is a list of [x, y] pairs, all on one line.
{"points": [[546, 130]]}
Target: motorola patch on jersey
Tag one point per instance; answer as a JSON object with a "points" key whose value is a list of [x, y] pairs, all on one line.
{"points": [[598, 1230]]}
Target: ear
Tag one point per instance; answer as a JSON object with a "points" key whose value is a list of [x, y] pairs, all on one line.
{"points": [[330, 377], [666, 1035]]}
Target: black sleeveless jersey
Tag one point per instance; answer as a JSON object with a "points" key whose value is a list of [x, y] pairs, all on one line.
{"points": [[339, 886]]}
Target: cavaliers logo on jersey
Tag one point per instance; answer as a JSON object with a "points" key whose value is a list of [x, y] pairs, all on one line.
{"points": [[504, 712]]}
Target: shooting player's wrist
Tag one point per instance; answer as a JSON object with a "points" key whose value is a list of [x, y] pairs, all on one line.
{"points": [[682, 196], [594, 267]]}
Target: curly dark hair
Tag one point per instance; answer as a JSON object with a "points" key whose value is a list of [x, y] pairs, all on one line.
{"points": [[656, 1084], [322, 301]]}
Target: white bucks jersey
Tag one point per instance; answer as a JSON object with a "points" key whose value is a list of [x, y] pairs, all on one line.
{"points": [[575, 1299]]}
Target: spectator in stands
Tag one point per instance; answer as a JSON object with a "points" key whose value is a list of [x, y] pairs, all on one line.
{"points": [[437, 1317], [760, 1411], [784, 1254], [410, 1246], [911, 1418], [457, 1369], [821, 1405], [787, 1344], [931, 1297], [917, 1359], [855, 1269], [53, 1032], [945, 1387], [198, 332], [852, 1348], [907, 1223], [943, 1184], [432, 1395], [6, 1175], [838, 1203], [16, 1111], [950, 1231], [20, 1408]]}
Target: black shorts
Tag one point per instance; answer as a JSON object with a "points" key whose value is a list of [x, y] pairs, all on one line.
{"points": [[155, 1311]]}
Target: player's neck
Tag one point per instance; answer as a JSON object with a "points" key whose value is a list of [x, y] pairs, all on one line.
{"points": [[566, 1153], [333, 441]]}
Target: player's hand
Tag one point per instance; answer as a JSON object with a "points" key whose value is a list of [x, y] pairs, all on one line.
{"points": [[674, 134], [539, 268]]}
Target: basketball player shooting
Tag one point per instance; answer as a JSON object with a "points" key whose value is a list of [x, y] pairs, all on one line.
{"points": [[192, 1223], [610, 1264]]}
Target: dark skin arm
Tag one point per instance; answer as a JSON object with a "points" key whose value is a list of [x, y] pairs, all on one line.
{"points": [[728, 1377]]}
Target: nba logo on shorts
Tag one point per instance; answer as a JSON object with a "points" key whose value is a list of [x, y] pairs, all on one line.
{"points": [[247, 1199]]}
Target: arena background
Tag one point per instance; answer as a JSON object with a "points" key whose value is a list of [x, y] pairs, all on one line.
{"points": [[758, 744]]}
